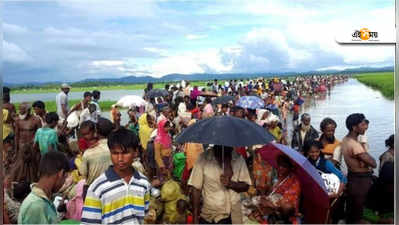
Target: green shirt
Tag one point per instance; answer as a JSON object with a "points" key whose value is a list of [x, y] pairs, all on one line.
{"points": [[46, 137], [37, 209]]}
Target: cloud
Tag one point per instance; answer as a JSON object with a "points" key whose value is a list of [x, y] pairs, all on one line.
{"points": [[113, 9], [12, 53], [14, 29], [195, 37], [73, 40]]}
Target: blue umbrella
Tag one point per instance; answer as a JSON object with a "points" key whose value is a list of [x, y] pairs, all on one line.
{"points": [[250, 102]]}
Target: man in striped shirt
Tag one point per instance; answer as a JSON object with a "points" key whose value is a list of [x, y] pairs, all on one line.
{"points": [[121, 194]]}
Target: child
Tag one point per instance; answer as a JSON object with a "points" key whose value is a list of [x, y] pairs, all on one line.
{"points": [[46, 138], [128, 200], [183, 214], [87, 138]]}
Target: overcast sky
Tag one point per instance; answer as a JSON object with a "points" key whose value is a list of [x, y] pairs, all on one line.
{"points": [[65, 40]]}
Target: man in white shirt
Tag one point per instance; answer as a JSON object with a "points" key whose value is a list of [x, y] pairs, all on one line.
{"points": [[62, 102]]}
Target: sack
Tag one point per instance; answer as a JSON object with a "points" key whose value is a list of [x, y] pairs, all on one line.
{"points": [[170, 191], [73, 119], [331, 181], [170, 194]]}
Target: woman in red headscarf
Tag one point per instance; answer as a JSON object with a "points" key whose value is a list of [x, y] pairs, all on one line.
{"points": [[163, 150]]}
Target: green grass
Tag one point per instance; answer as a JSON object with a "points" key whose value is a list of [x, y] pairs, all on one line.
{"points": [[89, 87], [51, 106], [384, 82]]}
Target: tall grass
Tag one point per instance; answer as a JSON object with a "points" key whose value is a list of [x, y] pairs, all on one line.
{"points": [[384, 82], [52, 107]]}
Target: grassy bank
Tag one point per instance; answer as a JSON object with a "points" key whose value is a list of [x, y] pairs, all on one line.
{"points": [[379, 81], [91, 87], [51, 106]]}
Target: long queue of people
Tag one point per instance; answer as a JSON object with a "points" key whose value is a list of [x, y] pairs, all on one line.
{"points": [[92, 170]]}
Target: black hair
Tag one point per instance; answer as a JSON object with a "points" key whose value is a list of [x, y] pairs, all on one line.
{"points": [[104, 126], [6, 90], [305, 115], [123, 138], [354, 120], [88, 124], [39, 104], [390, 141], [285, 161], [327, 121], [208, 100], [309, 144], [225, 105], [52, 163], [149, 86], [6, 98], [51, 117], [21, 190], [167, 86], [237, 108], [92, 105], [96, 94], [87, 94]]}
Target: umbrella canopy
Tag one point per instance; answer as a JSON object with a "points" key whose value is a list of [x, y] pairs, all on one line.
{"points": [[131, 101], [223, 100], [157, 93], [250, 102], [315, 202], [226, 131]]}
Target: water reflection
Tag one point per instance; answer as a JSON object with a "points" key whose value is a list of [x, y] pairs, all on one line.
{"points": [[354, 97]]}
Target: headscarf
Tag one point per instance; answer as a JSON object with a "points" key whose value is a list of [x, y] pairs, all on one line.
{"points": [[144, 130], [163, 137], [195, 93]]}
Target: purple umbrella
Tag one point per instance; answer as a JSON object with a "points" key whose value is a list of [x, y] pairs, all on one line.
{"points": [[315, 203]]}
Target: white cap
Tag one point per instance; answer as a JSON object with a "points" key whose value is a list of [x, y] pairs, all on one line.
{"points": [[65, 85]]}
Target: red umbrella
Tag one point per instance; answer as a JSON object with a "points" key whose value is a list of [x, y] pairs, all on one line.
{"points": [[315, 203]]}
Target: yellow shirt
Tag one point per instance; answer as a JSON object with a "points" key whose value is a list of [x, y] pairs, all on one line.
{"points": [[218, 202]]}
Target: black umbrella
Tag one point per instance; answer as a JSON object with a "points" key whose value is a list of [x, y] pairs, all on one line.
{"points": [[226, 131], [157, 93], [223, 100]]}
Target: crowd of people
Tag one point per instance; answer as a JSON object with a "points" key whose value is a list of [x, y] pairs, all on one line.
{"points": [[75, 166]]}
